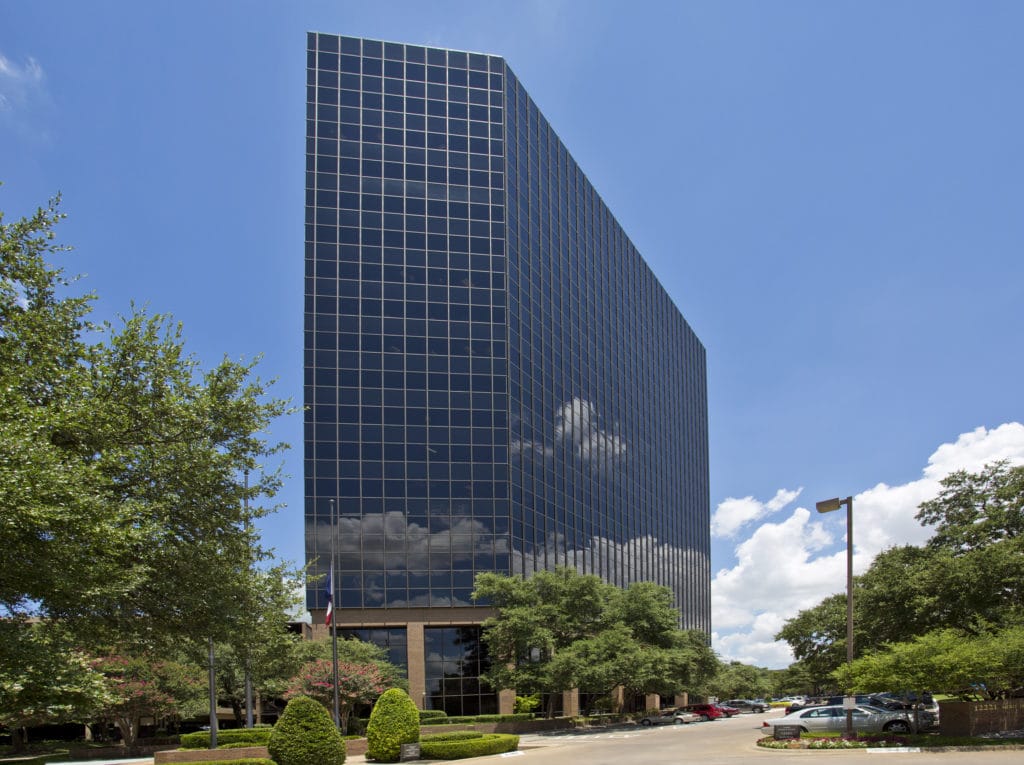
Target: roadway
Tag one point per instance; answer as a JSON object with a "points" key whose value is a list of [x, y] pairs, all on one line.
{"points": [[720, 742]]}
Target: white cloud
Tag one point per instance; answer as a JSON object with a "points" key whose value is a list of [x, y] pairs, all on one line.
{"points": [[792, 564], [732, 513], [18, 83]]}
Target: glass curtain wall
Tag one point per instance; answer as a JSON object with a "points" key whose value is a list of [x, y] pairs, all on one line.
{"points": [[494, 378]]}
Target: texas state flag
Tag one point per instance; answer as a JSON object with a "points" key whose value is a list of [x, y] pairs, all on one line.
{"points": [[330, 598]]}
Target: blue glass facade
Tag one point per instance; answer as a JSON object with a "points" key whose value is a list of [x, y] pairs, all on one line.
{"points": [[495, 380]]}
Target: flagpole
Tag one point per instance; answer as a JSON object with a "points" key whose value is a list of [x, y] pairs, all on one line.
{"points": [[248, 652], [334, 619]]}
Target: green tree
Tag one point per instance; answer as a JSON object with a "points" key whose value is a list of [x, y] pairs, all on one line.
{"points": [[44, 680], [364, 673], [261, 644], [948, 660], [560, 629], [817, 637], [735, 680], [968, 576], [146, 687], [121, 463], [976, 510]]}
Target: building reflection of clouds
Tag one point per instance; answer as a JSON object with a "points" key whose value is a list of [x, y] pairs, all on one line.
{"points": [[577, 426], [396, 562]]}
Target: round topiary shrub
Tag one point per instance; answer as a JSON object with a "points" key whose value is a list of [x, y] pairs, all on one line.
{"points": [[394, 721], [305, 735]]}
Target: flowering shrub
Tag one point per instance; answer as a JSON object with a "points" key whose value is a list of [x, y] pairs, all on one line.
{"points": [[357, 684], [837, 743], [833, 742], [141, 687]]}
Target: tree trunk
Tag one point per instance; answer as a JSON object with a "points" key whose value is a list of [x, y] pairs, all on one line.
{"points": [[236, 708], [343, 714], [129, 727]]}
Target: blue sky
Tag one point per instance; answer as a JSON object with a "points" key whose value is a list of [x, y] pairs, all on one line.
{"points": [[832, 193]]}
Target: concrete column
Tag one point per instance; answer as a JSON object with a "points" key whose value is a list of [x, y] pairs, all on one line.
{"points": [[652, 701], [417, 663], [682, 699], [506, 701]]}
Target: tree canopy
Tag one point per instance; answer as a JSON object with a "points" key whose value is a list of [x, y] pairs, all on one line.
{"points": [[967, 580], [559, 630], [122, 500], [130, 480]]}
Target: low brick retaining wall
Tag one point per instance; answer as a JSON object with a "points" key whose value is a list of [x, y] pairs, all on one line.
{"points": [[353, 746], [509, 726], [356, 746], [972, 718]]}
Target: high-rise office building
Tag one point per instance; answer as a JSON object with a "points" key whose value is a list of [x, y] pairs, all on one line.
{"points": [[494, 378]]}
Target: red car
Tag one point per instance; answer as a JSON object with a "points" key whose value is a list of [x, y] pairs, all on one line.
{"points": [[727, 710], [706, 711]]}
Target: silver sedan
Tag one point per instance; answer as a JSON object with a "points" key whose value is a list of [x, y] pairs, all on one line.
{"points": [[670, 717], [866, 719]]}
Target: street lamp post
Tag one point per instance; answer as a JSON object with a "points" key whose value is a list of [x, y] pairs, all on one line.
{"points": [[827, 506]]}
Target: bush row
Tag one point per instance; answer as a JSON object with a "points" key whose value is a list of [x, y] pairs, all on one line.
{"points": [[244, 736], [458, 720], [455, 735], [489, 743]]}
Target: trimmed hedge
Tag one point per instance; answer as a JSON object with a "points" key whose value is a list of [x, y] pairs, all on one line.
{"points": [[394, 721], [462, 720], [430, 715], [455, 735], [305, 735], [489, 743], [244, 736]]}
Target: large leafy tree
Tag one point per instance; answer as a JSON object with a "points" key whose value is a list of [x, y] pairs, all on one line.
{"points": [[261, 646], [968, 577], [991, 665], [735, 680], [44, 680], [560, 629], [123, 508], [129, 476]]}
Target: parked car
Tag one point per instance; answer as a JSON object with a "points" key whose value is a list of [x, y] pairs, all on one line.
{"points": [[670, 717], [824, 701], [866, 718], [746, 705], [726, 709], [907, 701], [706, 711]]}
